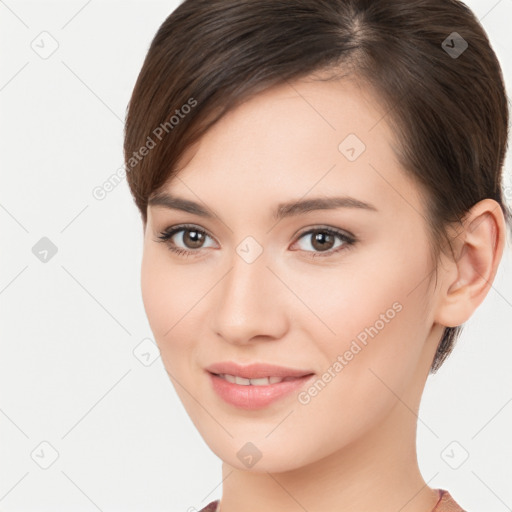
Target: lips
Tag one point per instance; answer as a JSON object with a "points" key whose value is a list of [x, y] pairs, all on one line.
{"points": [[256, 370], [246, 386], [252, 397]]}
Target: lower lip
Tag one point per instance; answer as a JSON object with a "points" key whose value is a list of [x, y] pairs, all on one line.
{"points": [[255, 397]]}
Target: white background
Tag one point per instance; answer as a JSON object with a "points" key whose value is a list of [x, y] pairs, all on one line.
{"points": [[69, 377]]}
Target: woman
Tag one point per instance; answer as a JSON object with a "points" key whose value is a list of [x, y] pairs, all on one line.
{"points": [[320, 189]]}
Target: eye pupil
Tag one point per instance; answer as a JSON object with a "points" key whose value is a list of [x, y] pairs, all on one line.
{"points": [[193, 239], [324, 239]]}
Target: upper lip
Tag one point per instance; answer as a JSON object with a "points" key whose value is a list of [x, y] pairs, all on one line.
{"points": [[255, 370]]}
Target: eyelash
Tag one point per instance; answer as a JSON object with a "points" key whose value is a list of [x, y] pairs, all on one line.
{"points": [[348, 240]]}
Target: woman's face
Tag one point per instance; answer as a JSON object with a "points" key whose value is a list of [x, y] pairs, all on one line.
{"points": [[350, 303]]}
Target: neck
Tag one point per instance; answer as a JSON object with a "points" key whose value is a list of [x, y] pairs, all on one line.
{"points": [[378, 472]]}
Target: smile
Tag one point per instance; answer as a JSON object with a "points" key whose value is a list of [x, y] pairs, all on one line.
{"points": [[263, 381], [258, 393]]}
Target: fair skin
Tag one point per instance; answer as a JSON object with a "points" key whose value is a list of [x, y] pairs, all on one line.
{"points": [[352, 447]]}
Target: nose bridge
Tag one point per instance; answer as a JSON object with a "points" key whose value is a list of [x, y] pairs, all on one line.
{"points": [[247, 302]]}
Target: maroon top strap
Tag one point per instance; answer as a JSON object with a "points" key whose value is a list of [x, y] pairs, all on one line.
{"points": [[445, 504]]}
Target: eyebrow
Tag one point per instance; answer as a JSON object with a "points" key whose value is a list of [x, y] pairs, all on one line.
{"points": [[288, 209]]}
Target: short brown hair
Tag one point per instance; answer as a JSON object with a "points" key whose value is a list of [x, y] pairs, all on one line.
{"points": [[445, 101]]}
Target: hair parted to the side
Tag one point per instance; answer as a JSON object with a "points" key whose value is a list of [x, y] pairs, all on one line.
{"points": [[450, 115]]}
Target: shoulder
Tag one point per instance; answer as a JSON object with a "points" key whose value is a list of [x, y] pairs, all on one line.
{"points": [[211, 507], [446, 503]]}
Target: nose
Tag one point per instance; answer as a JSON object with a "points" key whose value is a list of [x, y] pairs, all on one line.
{"points": [[250, 303]]}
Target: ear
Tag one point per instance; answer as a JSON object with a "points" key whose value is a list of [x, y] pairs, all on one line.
{"points": [[468, 276]]}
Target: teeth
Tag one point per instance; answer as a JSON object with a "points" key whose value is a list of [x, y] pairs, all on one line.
{"points": [[264, 381], [241, 380]]}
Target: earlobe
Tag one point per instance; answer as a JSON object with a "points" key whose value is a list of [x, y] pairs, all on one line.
{"points": [[479, 248]]}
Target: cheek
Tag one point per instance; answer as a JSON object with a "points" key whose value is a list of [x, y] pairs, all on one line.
{"points": [[371, 361], [378, 319], [155, 293], [164, 294], [382, 296], [174, 298]]}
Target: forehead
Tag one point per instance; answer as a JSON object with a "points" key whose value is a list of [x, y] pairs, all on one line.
{"points": [[304, 137], [293, 119]]}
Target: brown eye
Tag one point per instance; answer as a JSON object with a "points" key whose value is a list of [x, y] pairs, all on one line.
{"points": [[322, 241], [192, 238], [184, 239]]}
